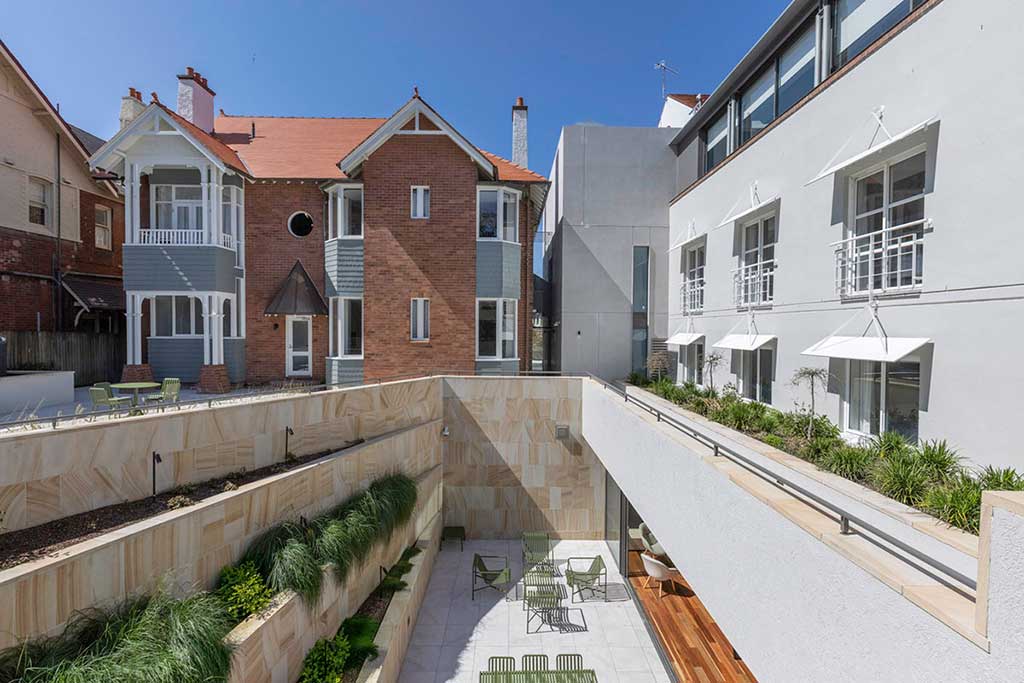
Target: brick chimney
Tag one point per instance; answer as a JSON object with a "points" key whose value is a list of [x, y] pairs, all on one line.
{"points": [[519, 155], [131, 106], [195, 99]]}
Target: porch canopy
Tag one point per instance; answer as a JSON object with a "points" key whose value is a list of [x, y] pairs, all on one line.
{"points": [[885, 349], [684, 338], [744, 342], [871, 153], [297, 295], [94, 294]]}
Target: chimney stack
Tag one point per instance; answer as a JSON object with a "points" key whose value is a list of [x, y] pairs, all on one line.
{"points": [[519, 152], [131, 106], [195, 99]]}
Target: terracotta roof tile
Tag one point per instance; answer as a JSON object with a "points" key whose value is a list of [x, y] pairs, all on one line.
{"points": [[220, 150], [688, 100], [509, 171]]}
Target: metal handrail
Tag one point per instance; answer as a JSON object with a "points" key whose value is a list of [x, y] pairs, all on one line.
{"points": [[754, 284], [845, 518], [890, 255]]}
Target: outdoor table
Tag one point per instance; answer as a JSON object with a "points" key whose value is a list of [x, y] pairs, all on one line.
{"points": [[580, 676], [135, 387]]}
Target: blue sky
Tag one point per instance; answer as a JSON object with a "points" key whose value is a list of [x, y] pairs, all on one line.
{"points": [[573, 61]]}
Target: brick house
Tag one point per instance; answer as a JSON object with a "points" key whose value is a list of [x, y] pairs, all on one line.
{"points": [[60, 229], [267, 249]]}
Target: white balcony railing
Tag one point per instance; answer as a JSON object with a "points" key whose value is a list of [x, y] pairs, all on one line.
{"points": [[227, 240], [883, 262], [691, 296], [170, 237], [754, 284]]}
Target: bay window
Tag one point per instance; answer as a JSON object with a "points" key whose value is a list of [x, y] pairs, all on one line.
{"points": [[883, 397], [419, 320], [346, 212], [178, 207], [231, 218], [496, 329], [177, 316], [346, 324], [498, 214]]}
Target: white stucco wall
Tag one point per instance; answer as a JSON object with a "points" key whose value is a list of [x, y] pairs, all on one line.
{"points": [[673, 114], [793, 608], [949, 64]]}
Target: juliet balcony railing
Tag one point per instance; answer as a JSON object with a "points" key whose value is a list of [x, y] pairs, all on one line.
{"points": [[691, 295], [754, 284], [887, 261]]}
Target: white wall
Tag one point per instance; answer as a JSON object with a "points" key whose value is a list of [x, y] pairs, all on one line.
{"points": [[948, 64], [674, 114], [794, 609]]}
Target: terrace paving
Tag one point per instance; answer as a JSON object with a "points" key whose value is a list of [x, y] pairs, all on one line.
{"points": [[454, 636]]}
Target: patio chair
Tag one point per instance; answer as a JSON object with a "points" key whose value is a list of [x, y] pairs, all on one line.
{"points": [[492, 576], [537, 550], [170, 390], [539, 578], [594, 578], [541, 605], [502, 664], [101, 399], [569, 662], [656, 570], [535, 662], [650, 542]]}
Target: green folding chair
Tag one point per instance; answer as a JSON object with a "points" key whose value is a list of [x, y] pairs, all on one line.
{"points": [[497, 577], [501, 664], [569, 663], [102, 399], [170, 390], [542, 605], [594, 578], [537, 550], [535, 662]]}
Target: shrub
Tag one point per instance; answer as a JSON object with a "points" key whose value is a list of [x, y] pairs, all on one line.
{"points": [[360, 631], [1000, 479], [325, 662], [637, 379], [818, 449], [941, 460], [889, 444], [242, 590], [284, 557], [774, 440], [957, 503], [850, 462], [901, 476], [346, 542]]}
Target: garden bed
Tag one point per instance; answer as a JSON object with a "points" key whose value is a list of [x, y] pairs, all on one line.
{"points": [[44, 540]]}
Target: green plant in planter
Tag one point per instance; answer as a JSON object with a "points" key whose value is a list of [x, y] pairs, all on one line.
{"points": [[850, 462], [325, 662], [242, 590], [940, 459], [1000, 479], [774, 440], [889, 444], [360, 630], [637, 379], [817, 449], [284, 557], [957, 503], [902, 476]]}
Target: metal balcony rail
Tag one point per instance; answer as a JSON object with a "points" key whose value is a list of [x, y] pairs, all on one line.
{"points": [[846, 520], [691, 294], [754, 284], [889, 260]]}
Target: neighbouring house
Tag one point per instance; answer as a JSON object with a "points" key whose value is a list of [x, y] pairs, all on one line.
{"points": [[61, 229], [262, 249], [677, 108]]}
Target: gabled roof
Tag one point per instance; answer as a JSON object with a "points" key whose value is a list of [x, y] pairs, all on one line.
{"points": [[686, 99], [89, 141], [297, 295], [224, 153], [416, 106]]}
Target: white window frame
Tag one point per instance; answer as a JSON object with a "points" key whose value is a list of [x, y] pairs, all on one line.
{"points": [[419, 202], [289, 354], [233, 226], [419, 319], [693, 277], [338, 324], [337, 224], [883, 419], [101, 228], [192, 204], [173, 296], [500, 235], [741, 381], [691, 366], [46, 205], [499, 328]]}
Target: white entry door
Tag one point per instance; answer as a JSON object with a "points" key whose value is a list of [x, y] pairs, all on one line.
{"points": [[298, 352]]}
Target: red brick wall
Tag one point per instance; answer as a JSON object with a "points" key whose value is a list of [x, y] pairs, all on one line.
{"points": [[25, 252], [270, 252], [406, 258]]}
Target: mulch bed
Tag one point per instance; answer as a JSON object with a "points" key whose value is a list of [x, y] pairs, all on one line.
{"points": [[45, 540]]}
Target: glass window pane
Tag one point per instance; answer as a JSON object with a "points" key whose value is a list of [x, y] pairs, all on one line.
{"points": [[163, 216], [164, 315], [353, 327], [508, 329], [764, 375], [426, 202], [300, 334], [748, 380], [699, 364], [640, 279], [414, 319], [426, 318], [227, 317], [757, 105], [352, 205], [487, 330], [902, 394], [182, 315], [717, 141], [163, 193], [861, 22], [488, 213], [796, 70], [197, 316], [188, 192], [865, 396], [870, 192], [510, 216]]}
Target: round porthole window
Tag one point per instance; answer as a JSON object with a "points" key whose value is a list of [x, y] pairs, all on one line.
{"points": [[300, 224]]}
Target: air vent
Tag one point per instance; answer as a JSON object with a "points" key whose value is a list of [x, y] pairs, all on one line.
{"points": [[562, 432]]}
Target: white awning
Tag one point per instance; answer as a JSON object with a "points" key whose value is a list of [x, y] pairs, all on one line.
{"points": [[889, 350], [746, 213], [870, 151], [684, 241], [684, 338], [744, 342]]}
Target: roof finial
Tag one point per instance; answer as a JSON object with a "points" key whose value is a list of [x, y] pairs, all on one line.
{"points": [[415, 91], [155, 98]]}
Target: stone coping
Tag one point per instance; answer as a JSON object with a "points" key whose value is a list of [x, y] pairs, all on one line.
{"points": [[953, 608], [921, 521]]}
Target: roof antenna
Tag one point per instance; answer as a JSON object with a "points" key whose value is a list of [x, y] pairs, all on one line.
{"points": [[665, 69]]}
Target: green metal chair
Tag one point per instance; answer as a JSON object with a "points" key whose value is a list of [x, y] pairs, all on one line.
{"points": [[101, 399], [594, 578], [541, 605], [497, 577], [502, 664], [569, 662], [170, 390], [537, 550], [535, 662]]}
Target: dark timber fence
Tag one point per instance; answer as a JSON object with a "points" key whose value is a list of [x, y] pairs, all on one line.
{"points": [[93, 357]]}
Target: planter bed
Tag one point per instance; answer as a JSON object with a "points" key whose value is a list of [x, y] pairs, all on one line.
{"points": [[35, 542]]}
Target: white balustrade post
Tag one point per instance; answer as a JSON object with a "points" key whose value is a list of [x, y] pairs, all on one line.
{"points": [[129, 328], [206, 329]]}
